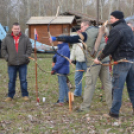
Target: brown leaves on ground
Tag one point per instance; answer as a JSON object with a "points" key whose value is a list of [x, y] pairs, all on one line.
{"points": [[19, 117]]}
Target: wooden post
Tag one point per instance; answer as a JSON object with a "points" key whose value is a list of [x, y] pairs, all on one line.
{"points": [[70, 101], [35, 56]]}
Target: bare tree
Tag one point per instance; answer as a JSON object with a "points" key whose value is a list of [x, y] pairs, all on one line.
{"points": [[132, 3], [39, 11], [97, 11], [117, 4], [111, 7]]}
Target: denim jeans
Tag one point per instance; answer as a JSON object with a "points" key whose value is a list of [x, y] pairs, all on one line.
{"points": [[12, 72], [122, 72], [63, 88], [78, 77]]}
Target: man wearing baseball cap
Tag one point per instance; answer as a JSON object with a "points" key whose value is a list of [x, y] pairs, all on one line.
{"points": [[121, 46]]}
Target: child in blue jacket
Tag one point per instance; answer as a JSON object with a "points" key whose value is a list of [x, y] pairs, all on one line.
{"points": [[62, 69]]}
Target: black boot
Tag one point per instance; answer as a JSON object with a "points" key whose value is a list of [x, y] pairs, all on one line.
{"points": [[116, 116]]}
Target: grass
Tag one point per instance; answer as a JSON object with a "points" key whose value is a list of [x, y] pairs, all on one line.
{"points": [[19, 117]]}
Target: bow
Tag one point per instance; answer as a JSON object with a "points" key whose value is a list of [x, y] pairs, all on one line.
{"points": [[48, 30]]}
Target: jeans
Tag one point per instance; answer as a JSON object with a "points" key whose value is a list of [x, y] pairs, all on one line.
{"points": [[78, 77], [12, 72], [122, 72], [63, 88]]}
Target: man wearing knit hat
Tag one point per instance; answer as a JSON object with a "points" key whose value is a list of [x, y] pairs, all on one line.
{"points": [[121, 46]]}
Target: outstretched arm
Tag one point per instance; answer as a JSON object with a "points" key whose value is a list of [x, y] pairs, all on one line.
{"points": [[70, 39]]}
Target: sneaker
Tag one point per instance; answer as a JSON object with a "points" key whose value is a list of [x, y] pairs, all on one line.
{"points": [[26, 98], [57, 101], [116, 116], [67, 101], [77, 95], [60, 104], [8, 99]]}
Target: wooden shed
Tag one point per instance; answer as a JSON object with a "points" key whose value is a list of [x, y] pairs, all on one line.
{"points": [[61, 25]]}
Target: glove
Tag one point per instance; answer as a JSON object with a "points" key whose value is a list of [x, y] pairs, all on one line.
{"points": [[53, 72], [53, 38], [74, 62]]}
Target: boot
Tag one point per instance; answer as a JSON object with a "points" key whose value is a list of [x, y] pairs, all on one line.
{"points": [[8, 99]]}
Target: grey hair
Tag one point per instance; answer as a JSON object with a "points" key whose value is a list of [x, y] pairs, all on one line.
{"points": [[131, 22]]}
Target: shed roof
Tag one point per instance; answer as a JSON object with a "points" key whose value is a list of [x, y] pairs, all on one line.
{"points": [[79, 16], [47, 19]]}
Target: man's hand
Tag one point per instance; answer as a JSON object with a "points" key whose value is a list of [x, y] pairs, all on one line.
{"points": [[79, 31], [52, 39], [53, 64], [71, 60], [53, 72], [96, 61]]}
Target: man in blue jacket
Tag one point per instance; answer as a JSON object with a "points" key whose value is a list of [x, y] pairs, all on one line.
{"points": [[61, 68]]}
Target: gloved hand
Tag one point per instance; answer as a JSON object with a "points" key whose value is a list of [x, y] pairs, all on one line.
{"points": [[53, 38], [53, 72]]}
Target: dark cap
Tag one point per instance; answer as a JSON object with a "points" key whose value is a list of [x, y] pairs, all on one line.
{"points": [[118, 14]]}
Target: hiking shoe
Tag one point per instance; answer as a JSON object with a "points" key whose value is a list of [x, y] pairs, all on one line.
{"points": [[8, 99], [116, 116], [26, 98]]}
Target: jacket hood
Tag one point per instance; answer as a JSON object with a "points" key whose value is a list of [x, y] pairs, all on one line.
{"points": [[61, 45]]}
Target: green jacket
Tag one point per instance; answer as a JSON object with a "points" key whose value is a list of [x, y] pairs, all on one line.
{"points": [[8, 50], [92, 33]]}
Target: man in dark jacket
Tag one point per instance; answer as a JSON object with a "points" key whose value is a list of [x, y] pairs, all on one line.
{"points": [[121, 46], [16, 48], [89, 35]]}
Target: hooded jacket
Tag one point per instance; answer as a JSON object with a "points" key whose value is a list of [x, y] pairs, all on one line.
{"points": [[8, 50], [62, 65]]}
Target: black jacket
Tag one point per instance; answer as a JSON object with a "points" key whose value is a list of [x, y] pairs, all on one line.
{"points": [[120, 42], [71, 39]]}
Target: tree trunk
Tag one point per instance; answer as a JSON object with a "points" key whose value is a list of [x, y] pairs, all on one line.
{"points": [[97, 12], [110, 8]]}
